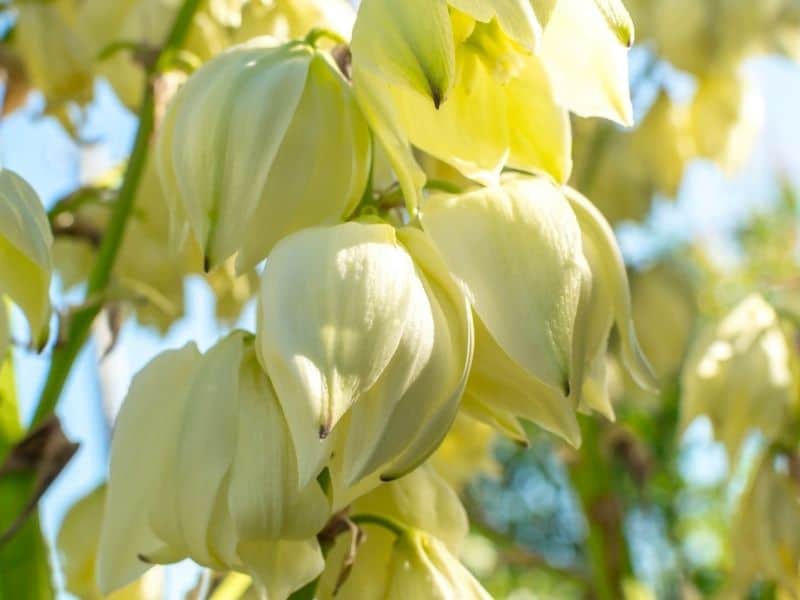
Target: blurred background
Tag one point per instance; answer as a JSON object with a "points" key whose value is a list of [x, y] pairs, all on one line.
{"points": [[702, 196]]}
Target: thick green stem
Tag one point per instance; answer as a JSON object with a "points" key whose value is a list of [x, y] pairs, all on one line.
{"points": [[80, 324]]}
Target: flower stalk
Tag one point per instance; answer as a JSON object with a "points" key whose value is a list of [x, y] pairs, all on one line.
{"points": [[79, 327]]}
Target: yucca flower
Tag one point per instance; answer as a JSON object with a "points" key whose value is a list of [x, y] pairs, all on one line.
{"points": [[368, 342], [262, 141], [202, 467], [739, 374], [482, 86], [546, 281]]}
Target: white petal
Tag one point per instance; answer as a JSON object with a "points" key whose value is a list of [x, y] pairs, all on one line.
{"points": [[334, 303], [144, 435], [588, 59], [263, 495], [609, 267], [517, 248]]}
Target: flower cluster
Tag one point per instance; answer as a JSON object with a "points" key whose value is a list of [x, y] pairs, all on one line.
{"points": [[385, 312]]}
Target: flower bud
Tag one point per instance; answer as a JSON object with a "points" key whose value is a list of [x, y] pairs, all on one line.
{"points": [[77, 543], [422, 567], [739, 374], [239, 133], [541, 326], [194, 482], [421, 500], [358, 321], [25, 252], [461, 83], [55, 55]]}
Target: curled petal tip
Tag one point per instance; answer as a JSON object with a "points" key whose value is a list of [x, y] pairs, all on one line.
{"points": [[436, 94]]}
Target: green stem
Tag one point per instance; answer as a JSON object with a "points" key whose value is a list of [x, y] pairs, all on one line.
{"points": [[440, 185], [80, 325], [385, 522], [592, 477], [320, 33]]}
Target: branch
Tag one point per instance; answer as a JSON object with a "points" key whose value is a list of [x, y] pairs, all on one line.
{"points": [[64, 357]]}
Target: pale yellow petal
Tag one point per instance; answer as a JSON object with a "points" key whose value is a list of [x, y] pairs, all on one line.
{"points": [[609, 267], [588, 59], [281, 567], [489, 239], [144, 435], [409, 43], [264, 497], [321, 169], [499, 389], [333, 307], [516, 17]]}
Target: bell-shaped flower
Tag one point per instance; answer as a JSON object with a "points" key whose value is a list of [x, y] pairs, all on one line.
{"points": [[77, 545], [422, 567], [25, 252], [739, 374], [420, 501], [202, 467], [461, 81], [546, 281], [585, 47], [56, 57], [260, 142], [362, 324], [766, 529]]}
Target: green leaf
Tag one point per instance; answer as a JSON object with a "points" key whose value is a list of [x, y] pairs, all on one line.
{"points": [[24, 561]]}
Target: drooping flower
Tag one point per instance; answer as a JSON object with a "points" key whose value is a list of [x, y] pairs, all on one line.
{"points": [[765, 532], [262, 141], [56, 57], [479, 84], [546, 281], [461, 81], [202, 467], [363, 322], [739, 374]]}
